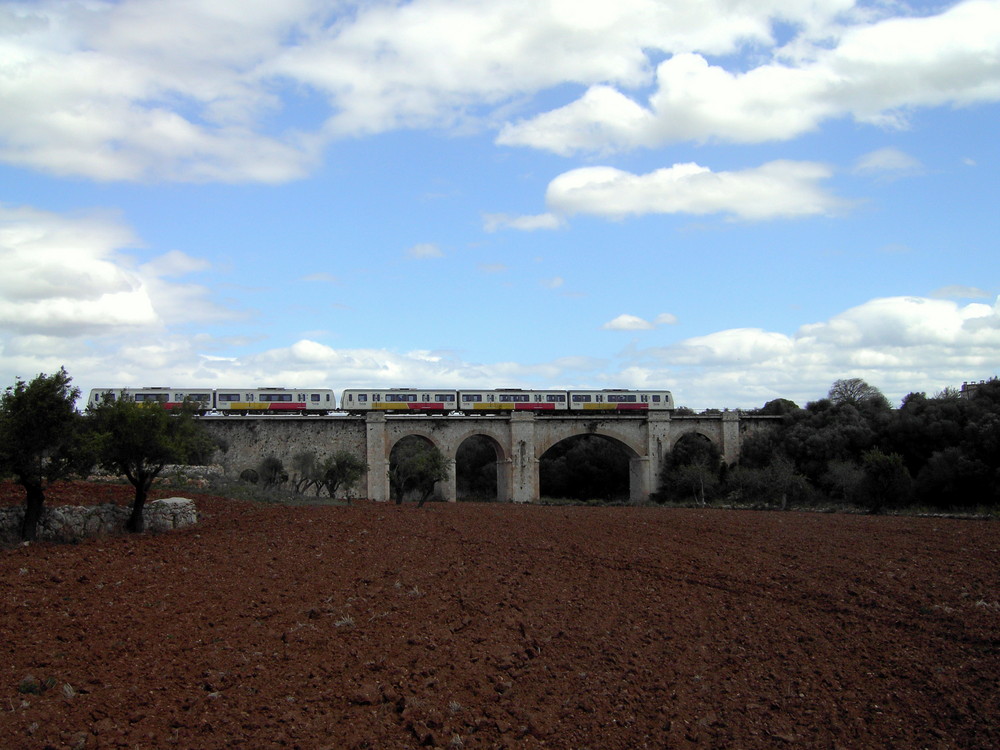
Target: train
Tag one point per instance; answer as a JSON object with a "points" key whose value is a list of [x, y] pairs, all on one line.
{"points": [[322, 401]]}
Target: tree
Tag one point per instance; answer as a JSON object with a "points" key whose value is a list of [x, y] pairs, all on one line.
{"points": [[341, 470], [693, 468], [137, 440], [307, 472], [886, 482], [778, 407], [856, 392], [40, 439], [417, 466], [272, 471]]}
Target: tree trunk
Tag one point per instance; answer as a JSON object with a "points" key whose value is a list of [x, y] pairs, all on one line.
{"points": [[135, 522], [34, 501]]}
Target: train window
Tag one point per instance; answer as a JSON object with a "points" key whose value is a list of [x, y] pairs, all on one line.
{"points": [[513, 397], [581, 397], [656, 399], [229, 397], [314, 397], [328, 397], [555, 398], [445, 397], [470, 397]]}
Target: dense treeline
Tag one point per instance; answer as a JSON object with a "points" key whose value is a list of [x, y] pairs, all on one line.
{"points": [[853, 447]]}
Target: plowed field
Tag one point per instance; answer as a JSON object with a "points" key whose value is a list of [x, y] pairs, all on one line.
{"points": [[484, 626]]}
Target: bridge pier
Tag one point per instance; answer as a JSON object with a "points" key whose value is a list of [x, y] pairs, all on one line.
{"points": [[378, 456], [524, 463]]}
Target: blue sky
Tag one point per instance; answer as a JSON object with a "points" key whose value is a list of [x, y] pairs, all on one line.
{"points": [[737, 201]]}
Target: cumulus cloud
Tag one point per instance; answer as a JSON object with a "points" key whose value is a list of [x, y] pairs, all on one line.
{"points": [[897, 344], [872, 71], [626, 322], [136, 90], [67, 276], [777, 189]]}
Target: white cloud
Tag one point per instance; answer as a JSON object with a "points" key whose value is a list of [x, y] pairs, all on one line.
{"points": [[495, 222], [777, 189], [197, 91], [425, 250], [66, 276], [890, 161], [874, 72], [554, 283], [898, 344], [626, 322]]}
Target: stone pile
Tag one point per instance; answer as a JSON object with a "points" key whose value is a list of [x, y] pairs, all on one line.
{"points": [[65, 523]]}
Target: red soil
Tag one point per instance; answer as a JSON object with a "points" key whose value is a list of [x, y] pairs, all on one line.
{"points": [[484, 626]]}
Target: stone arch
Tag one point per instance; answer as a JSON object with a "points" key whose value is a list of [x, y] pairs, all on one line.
{"points": [[634, 448], [444, 489], [466, 485], [633, 472], [396, 437], [681, 431]]}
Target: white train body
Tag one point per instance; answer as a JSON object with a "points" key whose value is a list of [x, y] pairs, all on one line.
{"points": [[318, 401], [499, 400], [620, 400], [274, 400], [230, 400], [511, 399], [359, 400]]}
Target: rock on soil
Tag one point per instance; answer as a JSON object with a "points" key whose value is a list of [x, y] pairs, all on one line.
{"points": [[485, 626]]}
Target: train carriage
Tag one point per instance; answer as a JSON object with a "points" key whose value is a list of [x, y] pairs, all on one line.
{"points": [[425, 400], [620, 400], [274, 400], [511, 399], [168, 398]]}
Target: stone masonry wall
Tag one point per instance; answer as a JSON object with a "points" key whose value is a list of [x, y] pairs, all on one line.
{"points": [[63, 523]]}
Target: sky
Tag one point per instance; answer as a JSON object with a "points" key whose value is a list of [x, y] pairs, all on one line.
{"points": [[735, 200]]}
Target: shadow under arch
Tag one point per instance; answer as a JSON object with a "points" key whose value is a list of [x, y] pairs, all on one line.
{"points": [[590, 467], [404, 447], [479, 470]]}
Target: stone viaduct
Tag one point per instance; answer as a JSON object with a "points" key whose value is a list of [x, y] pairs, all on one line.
{"points": [[520, 439]]}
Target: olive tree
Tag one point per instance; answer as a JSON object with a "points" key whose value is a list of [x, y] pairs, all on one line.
{"points": [[416, 467], [40, 439], [137, 440], [342, 470]]}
